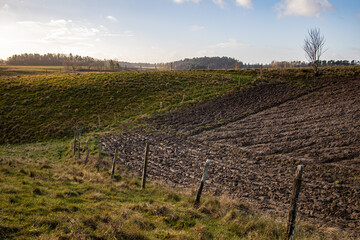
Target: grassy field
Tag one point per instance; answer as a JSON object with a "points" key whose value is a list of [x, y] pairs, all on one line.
{"points": [[8, 70], [42, 107], [46, 194], [29, 70], [49, 106]]}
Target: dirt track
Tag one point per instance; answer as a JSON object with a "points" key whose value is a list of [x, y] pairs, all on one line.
{"points": [[254, 155]]}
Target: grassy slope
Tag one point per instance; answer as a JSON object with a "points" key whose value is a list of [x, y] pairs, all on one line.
{"points": [[47, 195], [45, 107], [36, 108]]}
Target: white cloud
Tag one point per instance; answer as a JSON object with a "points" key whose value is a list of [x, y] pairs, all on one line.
{"points": [[6, 7], [231, 43], [195, 28], [5, 13], [60, 34], [181, 1], [221, 3], [111, 18], [244, 3], [308, 8], [59, 31]]}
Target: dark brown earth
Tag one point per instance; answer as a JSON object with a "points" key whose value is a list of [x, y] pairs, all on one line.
{"points": [[232, 107], [264, 133]]}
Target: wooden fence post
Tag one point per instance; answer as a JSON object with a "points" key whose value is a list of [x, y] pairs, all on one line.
{"points": [[145, 165], [79, 150], [114, 162], [75, 139], [99, 156], [293, 203], [75, 144], [99, 121], [87, 155], [198, 195]]}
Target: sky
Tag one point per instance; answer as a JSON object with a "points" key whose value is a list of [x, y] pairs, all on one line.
{"points": [[154, 31]]}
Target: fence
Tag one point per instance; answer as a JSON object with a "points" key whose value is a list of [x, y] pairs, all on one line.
{"points": [[293, 200]]}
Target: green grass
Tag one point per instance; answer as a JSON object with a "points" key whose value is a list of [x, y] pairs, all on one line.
{"points": [[48, 196], [36, 108], [29, 70], [43, 107]]}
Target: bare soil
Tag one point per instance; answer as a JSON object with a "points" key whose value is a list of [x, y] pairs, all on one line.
{"points": [[263, 134]]}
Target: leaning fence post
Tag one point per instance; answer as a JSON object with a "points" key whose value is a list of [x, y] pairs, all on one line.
{"points": [[198, 195], [294, 198], [99, 156], [114, 162], [145, 166]]}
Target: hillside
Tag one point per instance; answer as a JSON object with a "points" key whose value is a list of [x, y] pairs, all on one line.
{"points": [[255, 138], [204, 63], [45, 107], [255, 126]]}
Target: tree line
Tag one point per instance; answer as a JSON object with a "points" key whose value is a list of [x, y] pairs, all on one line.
{"points": [[51, 59], [203, 63], [72, 61]]}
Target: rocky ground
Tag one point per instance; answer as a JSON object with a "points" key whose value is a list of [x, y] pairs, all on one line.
{"points": [[255, 139]]}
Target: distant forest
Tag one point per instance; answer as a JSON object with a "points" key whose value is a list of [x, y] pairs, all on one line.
{"points": [[52, 59], [204, 63], [69, 60]]}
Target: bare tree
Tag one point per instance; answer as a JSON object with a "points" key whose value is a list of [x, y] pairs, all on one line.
{"points": [[314, 47]]}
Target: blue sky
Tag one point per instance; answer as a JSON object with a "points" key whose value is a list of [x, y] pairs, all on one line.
{"points": [[252, 31]]}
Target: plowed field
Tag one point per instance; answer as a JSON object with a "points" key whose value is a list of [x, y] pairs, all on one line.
{"points": [[255, 139]]}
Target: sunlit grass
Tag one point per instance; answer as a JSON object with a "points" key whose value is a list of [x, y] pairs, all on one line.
{"points": [[47, 197], [43, 107]]}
